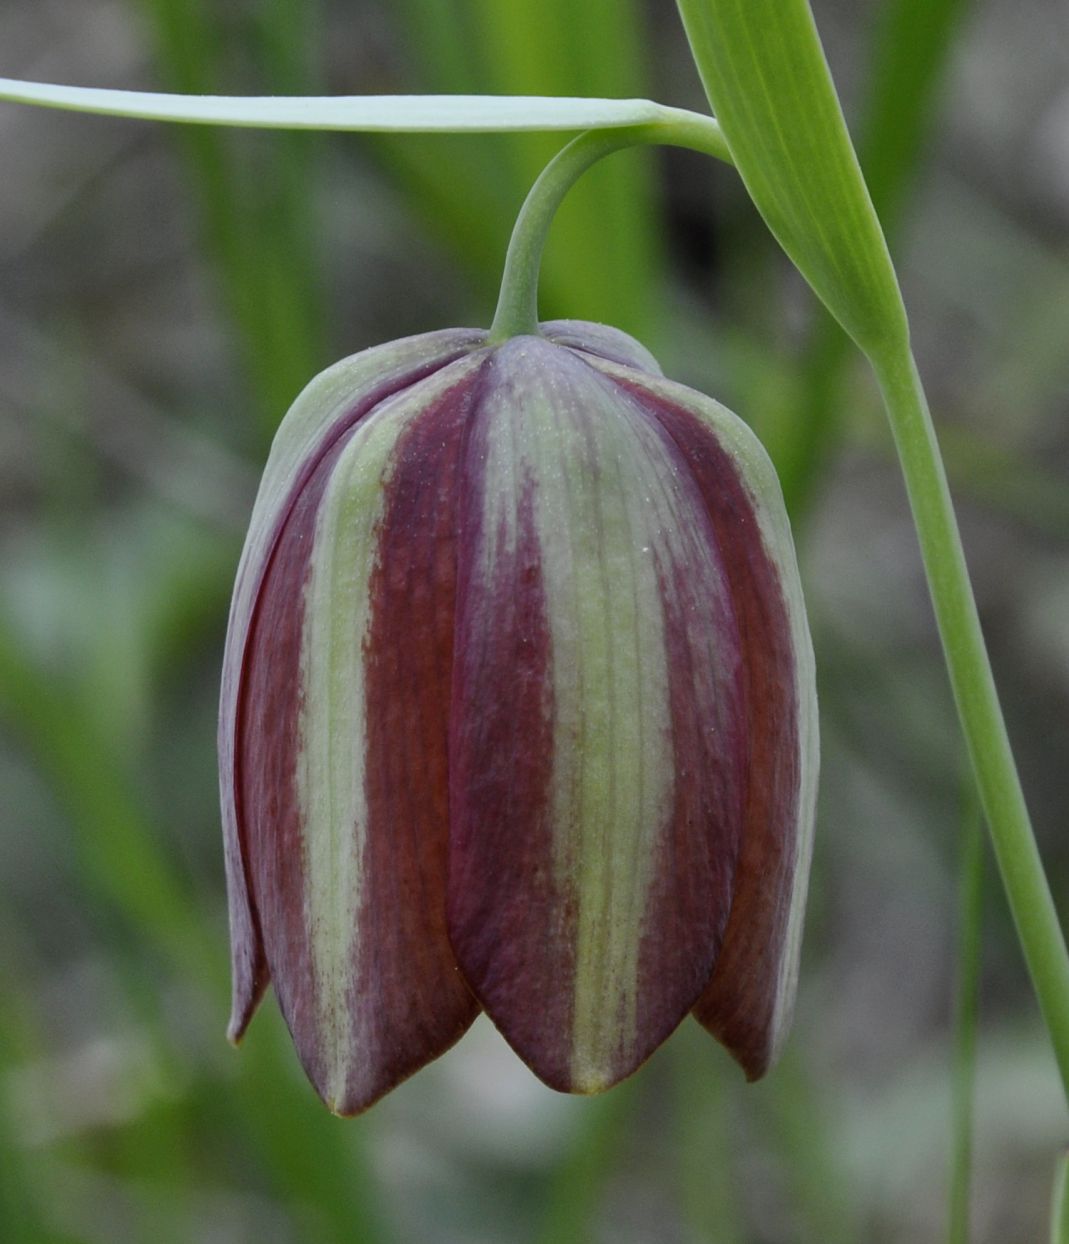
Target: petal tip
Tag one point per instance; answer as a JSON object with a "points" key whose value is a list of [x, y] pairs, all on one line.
{"points": [[244, 1008], [590, 1081], [754, 1045]]}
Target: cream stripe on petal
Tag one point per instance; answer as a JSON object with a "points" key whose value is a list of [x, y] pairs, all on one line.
{"points": [[333, 727], [621, 658]]}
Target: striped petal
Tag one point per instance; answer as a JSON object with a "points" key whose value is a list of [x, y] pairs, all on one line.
{"points": [[597, 769], [325, 411], [340, 771], [749, 999]]}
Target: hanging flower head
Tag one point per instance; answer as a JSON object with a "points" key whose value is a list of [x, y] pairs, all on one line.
{"points": [[518, 715]]}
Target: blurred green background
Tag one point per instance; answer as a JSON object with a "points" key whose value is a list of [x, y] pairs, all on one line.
{"points": [[165, 293]]}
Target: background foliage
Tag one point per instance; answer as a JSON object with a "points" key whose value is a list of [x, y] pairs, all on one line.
{"points": [[163, 296]]}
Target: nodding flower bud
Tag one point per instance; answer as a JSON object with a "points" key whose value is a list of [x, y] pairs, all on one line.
{"points": [[518, 715]]}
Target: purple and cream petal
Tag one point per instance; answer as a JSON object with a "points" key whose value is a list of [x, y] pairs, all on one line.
{"points": [[597, 774], [341, 755], [325, 411], [749, 999]]}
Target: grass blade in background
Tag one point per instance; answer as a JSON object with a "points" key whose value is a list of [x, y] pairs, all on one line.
{"points": [[576, 1186], [796, 1118], [20, 1214], [600, 262], [257, 214], [966, 1017], [1059, 1210], [123, 866], [120, 858], [702, 1121]]}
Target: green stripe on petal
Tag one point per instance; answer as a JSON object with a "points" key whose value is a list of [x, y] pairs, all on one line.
{"points": [[333, 730]]}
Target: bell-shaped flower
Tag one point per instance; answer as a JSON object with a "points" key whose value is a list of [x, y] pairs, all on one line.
{"points": [[518, 715]]}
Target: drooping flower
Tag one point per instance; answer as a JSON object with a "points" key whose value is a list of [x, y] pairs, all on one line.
{"points": [[518, 714]]}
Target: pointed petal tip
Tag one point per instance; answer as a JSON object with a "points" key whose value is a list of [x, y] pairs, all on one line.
{"points": [[575, 1072], [348, 1105], [250, 984], [343, 1108], [754, 1047], [581, 1088], [241, 1016], [592, 1081], [754, 1068], [585, 1077], [349, 1088], [577, 1079]]}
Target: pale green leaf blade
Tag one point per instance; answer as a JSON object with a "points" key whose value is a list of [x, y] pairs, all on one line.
{"points": [[372, 113]]}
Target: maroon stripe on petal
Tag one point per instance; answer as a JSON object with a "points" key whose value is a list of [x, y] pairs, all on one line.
{"points": [[507, 913], [739, 1002], [407, 971]]}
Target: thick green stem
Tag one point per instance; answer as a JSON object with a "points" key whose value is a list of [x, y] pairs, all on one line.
{"points": [[977, 700], [517, 306]]}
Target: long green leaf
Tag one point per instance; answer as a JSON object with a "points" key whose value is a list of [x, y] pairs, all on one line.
{"points": [[910, 54], [764, 71], [423, 114]]}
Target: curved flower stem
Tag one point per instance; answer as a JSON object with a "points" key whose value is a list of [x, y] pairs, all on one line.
{"points": [[517, 306], [977, 701]]}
